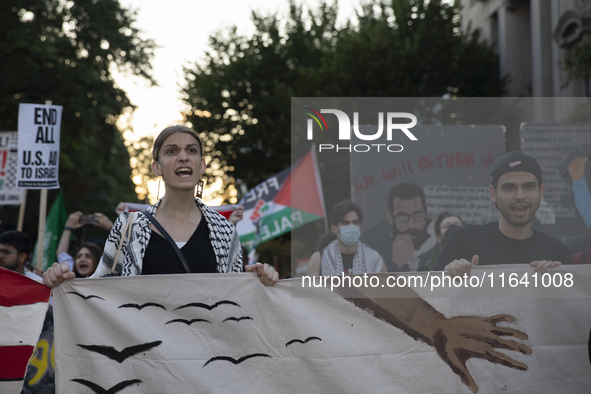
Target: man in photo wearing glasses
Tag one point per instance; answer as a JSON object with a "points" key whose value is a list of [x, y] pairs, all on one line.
{"points": [[15, 247], [406, 237]]}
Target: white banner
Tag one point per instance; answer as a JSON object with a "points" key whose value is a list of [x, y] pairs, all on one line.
{"points": [[227, 333], [9, 194], [38, 146]]}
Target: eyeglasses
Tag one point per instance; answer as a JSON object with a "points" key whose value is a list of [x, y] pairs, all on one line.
{"points": [[7, 252], [403, 217]]}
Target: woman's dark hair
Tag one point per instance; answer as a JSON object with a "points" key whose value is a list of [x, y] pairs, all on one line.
{"points": [[440, 218], [164, 134], [340, 210], [95, 251]]}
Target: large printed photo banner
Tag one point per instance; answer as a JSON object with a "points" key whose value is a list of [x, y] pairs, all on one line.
{"points": [[451, 164], [9, 194], [555, 146], [228, 333]]}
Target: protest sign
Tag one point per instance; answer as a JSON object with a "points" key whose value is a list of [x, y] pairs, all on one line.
{"points": [[9, 194], [38, 146]]}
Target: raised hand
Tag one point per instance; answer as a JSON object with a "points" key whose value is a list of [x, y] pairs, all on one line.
{"points": [[461, 266]]}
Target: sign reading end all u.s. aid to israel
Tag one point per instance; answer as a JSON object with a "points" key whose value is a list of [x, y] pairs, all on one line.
{"points": [[38, 146]]}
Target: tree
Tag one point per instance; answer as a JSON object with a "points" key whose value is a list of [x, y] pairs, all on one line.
{"points": [[64, 51], [409, 48], [240, 93]]}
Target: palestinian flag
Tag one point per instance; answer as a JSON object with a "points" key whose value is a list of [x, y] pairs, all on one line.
{"points": [[272, 208], [23, 304]]}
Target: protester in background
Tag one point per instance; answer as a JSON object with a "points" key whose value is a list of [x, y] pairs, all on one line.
{"points": [[74, 222], [345, 253], [86, 259], [444, 222], [406, 236], [15, 247], [207, 241], [516, 189]]}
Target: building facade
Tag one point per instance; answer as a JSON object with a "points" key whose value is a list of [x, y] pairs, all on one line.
{"points": [[534, 40]]}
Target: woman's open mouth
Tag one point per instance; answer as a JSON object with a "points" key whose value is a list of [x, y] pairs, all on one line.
{"points": [[184, 172]]}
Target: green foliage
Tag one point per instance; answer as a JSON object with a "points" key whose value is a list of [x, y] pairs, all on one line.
{"points": [[240, 93], [578, 62], [65, 51]]}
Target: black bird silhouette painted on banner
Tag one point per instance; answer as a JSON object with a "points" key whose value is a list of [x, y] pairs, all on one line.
{"points": [[208, 307], [304, 341], [233, 360], [99, 390], [187, 322], [120, 356], [238, 318], [85, 297], [140, 307]]}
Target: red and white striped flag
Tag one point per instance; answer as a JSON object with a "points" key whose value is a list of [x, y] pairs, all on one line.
{"points": [[23, 304]]}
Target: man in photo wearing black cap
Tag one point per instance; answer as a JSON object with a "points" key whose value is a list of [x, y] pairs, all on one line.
{"points": [[516, 189]]}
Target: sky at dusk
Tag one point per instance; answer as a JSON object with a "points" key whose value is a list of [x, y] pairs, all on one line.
{"points": [[181, 29]]}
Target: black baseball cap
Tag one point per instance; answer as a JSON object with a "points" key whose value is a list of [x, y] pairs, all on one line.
{"points": [[515, 161]]}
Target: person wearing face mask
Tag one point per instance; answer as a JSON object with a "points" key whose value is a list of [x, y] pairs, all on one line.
{"points": [[345, 253]]}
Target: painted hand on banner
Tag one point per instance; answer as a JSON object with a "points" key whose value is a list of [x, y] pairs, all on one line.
{"points": [[456, 339], [402, 249], [463, 337]]}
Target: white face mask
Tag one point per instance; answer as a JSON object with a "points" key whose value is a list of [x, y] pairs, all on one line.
{"points": [[350, 234]]}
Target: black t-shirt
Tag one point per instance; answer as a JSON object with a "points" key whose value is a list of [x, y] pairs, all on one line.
{"points": [[493, 247], [347, 262], [160, 257]]}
